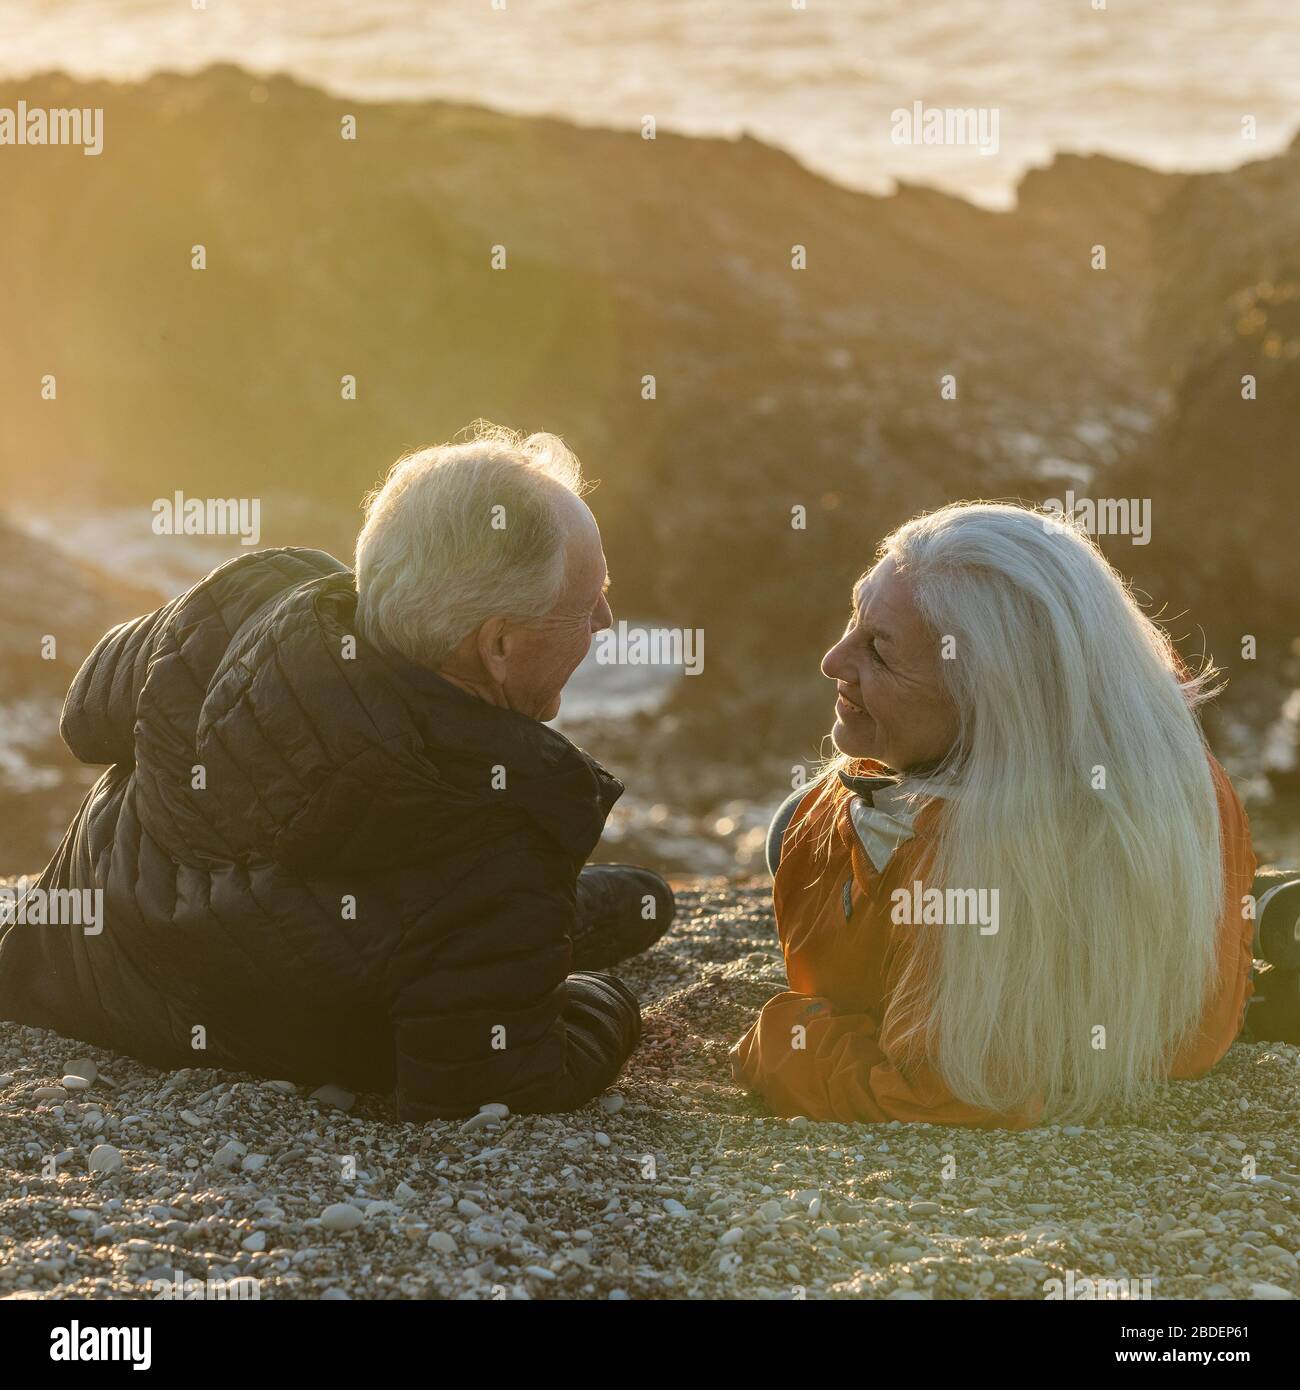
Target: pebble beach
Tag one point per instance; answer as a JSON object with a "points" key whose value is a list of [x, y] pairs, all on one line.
{"points": [[121, 1181]]}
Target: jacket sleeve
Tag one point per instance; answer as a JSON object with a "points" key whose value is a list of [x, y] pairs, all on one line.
{"points": [[99, 714], [805, 1059], [98, 721], [488, 1011]]}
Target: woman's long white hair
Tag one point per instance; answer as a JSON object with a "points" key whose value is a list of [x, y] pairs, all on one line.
{"points": [[1084, 795]]}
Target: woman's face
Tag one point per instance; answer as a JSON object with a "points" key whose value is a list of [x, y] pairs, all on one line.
{"points": [[887, 667]]}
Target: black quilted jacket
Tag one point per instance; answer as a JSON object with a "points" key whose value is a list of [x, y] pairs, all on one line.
{"points": [[307, 869]]}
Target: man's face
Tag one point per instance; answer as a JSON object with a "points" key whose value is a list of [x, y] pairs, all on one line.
{"points": [[542, 655], [892, 705]]}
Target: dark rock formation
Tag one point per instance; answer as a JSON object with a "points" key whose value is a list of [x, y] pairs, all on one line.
{"points": [[775, 387]]}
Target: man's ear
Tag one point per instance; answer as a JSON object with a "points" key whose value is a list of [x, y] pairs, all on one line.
{"points": [[493, 642]]}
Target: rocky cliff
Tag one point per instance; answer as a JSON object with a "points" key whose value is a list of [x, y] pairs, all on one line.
{"points": [[774, 387]]}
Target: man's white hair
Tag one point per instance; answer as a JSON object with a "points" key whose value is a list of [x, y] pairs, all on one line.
{"points": [[460, 533]]}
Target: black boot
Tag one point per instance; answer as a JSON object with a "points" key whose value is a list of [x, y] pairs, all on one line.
{"points": [[1273, 1014], [622, 911], [1277, 917]]}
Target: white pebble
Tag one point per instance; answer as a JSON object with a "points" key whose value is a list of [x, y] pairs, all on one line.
{"points": [[468, 1208], [732, 1237], [674, 1208], [254, 1163], [612, 1103], [341, 1216], [76, 1083], [404, 1193], [443, 1243], [495, 1109], [254, 1243], [334, 1096], [82, 1067], [104, 1158], [1270, 1292]]}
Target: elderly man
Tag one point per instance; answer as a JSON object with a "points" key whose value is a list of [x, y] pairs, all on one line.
{"points": [[335, 840]]}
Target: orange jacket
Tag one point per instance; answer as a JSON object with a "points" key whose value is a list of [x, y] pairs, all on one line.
{"points": [[844, 956]]}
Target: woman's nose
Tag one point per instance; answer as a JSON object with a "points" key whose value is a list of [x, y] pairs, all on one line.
{"points": [[833, 662]]}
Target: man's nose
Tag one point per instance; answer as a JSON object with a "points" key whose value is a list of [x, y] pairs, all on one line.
{"points": [[604, 617]]}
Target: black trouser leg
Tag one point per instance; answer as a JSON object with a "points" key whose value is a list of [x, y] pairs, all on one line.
{"points": [[622, 911]]}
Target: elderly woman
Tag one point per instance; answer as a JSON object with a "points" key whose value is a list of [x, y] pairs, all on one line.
{"points": [[1023, 889]]}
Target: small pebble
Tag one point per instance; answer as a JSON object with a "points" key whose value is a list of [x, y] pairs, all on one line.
{"points": [[104, 1158], [341, 1216], [334, 1096]]}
